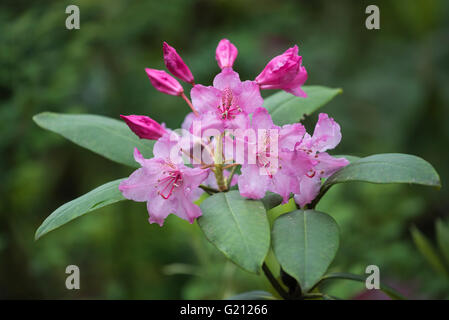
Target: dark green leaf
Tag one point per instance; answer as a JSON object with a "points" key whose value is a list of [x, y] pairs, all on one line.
{"points": [[238, 227], [253, 295], [387, 168], [305, 243], [106, 136], [95, 199], [443, 239], [271, 200], [392, 293], [286, 108], [428, 251]]}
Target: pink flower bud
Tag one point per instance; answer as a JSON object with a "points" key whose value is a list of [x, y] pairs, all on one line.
{"points": [[163, 82], [144, 127], [175, 64], [225, 54], [284, 72]]}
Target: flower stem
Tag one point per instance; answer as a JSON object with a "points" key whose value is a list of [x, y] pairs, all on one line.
{"points": [[209, 190], [231, 175], [189, 103], [274, 282], [218, 160]]}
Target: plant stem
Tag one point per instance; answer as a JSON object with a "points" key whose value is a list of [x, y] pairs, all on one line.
{"points": [[317, 199], [274, 282], [231, 175], [294, 289], [189, 103], [218, 160], [209, 190]]}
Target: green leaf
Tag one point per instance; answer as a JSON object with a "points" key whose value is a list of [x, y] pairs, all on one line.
{"points": [[271, 200], [305, 243], [387, 168], [253, 295], [286, 108], [238, 227], [351, 159], [105, 136], [443, 239], [383, 168], [95, 199], [427, 250], [392, 293]]}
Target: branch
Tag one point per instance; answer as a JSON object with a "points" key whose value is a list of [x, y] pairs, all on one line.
{"points": [[274, 282]]}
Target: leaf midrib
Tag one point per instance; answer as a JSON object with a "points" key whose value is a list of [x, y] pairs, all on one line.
{"points": [[305, 248], [237, 223]]}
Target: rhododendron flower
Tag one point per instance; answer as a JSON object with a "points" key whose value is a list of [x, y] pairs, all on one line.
{"points": [[166, 185], [225, 54], [144, 127], [284, 72], [326, 136], [284, 160], [188, 121], [176, 65], [282, 177], [227, 103], [164, 82]]}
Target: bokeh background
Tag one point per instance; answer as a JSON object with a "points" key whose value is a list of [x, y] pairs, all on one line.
{"points": [[395, 99]]}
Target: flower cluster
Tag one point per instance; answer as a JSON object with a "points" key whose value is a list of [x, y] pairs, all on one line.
{"points": [[229, 128]]}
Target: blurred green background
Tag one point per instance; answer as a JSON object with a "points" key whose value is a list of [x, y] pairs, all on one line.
{"points": [[395, 99]]}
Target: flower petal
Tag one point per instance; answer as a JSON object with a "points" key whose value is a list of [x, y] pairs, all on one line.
{"points": [[290, 135], [159, 208], [261, 119], [249, 97], [210, 120], [227, 78], [188, 120], [187, 210], [141, 182], [168, 147], [192, 178], [241, 121], [284, 184], [328, 165], [309, 189], [205, 99], [251, 183], [327, 134]]}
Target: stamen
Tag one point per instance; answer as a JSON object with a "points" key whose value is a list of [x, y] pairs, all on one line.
{"points": [[227, 109], [169, 183]]}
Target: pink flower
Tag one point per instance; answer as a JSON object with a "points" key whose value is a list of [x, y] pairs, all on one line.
{"points": [[326, 136], [278, 165], [225, 54], [188, 121], [166, 184], [164, 83], [144, 127], [284, 72], [227, 103], [176, 65]]}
